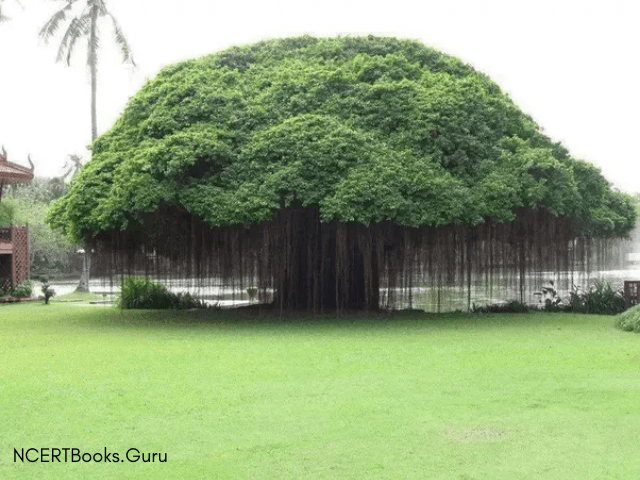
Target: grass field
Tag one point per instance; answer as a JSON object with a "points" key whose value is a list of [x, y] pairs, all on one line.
{"points": [[531, 396]]}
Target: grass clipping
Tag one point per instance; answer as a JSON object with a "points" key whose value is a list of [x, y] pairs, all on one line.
{"points": [[629, 321]]}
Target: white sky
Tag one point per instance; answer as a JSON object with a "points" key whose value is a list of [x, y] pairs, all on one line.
{"points": [[573, 65]]}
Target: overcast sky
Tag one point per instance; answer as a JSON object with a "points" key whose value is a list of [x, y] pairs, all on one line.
{"points": [[573, 65]]}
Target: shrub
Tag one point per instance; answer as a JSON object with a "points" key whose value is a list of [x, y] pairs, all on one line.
{"points": [[513, 306], [184, 300], [601, 298], [576, 300], [143, 293], [7, 212], [629, 321], [23, 290]]}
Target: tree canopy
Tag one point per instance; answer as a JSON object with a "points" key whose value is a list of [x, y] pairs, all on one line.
{"points": [[364, 130]]}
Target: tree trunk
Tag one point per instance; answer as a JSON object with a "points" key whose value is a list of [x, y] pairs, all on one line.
{"points": [[323, 266], [83, 285], [93, 66]]}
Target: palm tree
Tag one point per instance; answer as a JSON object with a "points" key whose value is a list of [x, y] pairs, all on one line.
{"points": [[84, 25], [4, 18]]}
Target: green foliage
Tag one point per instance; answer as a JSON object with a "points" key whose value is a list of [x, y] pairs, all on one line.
{"points": [[629, 321], [49, 250], [600, 298], [143, 293], [512, 306], [23, 290], [363, 129], [7, 212], [603, 212], [40, 190]]}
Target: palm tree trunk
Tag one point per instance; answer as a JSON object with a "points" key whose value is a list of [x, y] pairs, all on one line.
{"points": [[93, 65], [83, 285]]}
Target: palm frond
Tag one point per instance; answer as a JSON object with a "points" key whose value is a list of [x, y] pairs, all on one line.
{"points": [[121, 40], [4, 18], [18, 2], [102, 8], [49, 29], [75, 30], [80, 28]]}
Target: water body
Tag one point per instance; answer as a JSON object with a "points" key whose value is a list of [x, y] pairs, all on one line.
{"points": [[428, 298]]}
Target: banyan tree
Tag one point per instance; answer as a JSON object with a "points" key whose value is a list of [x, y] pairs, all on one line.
{"points": [[340, 173]]}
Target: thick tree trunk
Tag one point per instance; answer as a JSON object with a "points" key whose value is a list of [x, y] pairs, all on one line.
{"points": [[323, 266]]}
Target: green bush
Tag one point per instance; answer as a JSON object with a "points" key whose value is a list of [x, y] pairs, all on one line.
{"points": [[601, 298], [184, 300], [7, 212], [49, 251], [513, 306], [629, 321], [23, 290], [143, 293]]}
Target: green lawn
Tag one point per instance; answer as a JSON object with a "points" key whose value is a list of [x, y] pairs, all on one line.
{"points": [[533, 396]]}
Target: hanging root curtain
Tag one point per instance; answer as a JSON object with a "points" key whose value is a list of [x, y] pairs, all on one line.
{"points": [[298, 262]]}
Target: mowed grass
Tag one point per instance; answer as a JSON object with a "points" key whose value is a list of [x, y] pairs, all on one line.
{"points": [[531, 396]]}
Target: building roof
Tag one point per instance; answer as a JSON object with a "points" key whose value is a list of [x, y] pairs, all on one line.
{"points": [[13, 173]]}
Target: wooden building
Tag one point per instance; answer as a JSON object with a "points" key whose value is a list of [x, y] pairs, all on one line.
{"points": [[14, 241], [14, 256]]}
